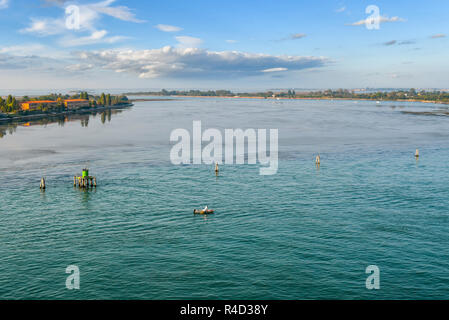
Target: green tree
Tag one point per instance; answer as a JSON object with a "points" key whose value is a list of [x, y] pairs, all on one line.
{"points": [[102, 99], [2, 105]]}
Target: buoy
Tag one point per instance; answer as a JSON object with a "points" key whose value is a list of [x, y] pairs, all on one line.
{"points": [[216, 167], [417, 153], [42, 185], [317, 159], [209, 211]]}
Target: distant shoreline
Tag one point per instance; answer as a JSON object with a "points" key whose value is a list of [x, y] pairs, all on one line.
{"points": [[150, 99], [280, 98]]}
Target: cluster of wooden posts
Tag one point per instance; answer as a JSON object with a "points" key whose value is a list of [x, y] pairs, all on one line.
{"points": [[85, 182]]}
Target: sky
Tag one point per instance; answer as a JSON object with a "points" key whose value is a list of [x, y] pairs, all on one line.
{"points": [[238, 45]]}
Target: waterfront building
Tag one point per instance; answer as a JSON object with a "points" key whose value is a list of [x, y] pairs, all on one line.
{"points": [[33, 105], [73, 104]]}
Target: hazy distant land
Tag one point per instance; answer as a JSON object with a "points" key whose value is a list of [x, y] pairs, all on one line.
{"points": [[411, 95]]}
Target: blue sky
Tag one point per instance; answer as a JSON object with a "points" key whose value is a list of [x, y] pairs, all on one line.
{"points": [[222, 44]]}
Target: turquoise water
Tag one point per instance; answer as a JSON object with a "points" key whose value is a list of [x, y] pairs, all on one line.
{"points": [[304, 233]]}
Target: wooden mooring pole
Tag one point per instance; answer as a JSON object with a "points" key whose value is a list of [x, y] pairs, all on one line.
{"points": [[42, 185]]}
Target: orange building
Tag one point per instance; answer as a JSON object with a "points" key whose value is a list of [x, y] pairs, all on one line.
{"points": [[33, 105], [76, 103]]}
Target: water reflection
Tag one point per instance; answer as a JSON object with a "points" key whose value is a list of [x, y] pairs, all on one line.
{"points": [[61, 120], [86, 194]]}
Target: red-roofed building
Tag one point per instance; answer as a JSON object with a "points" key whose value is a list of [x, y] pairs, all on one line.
{"points": [[72, 104], [33, 105]]}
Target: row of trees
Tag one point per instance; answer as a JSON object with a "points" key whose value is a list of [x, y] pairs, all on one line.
{"points": [[108, 100], [9, 105], [194, 93], [209, 93], [84, 95]]}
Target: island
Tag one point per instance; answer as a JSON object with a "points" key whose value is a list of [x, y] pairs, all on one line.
{"points": [[26, 108]]}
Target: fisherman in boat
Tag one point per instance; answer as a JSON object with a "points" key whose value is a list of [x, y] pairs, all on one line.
{"points": [[205, 209]]}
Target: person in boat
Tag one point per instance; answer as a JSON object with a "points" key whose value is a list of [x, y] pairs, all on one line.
{"points": [[205, 209]]}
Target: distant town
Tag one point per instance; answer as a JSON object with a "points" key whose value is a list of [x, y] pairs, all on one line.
{"points": [[435, 96]]}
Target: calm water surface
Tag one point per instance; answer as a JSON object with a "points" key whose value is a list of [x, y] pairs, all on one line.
{"points": [[300, 234]]}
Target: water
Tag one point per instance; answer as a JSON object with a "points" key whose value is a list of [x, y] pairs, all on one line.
{"points": [[303, 233]]}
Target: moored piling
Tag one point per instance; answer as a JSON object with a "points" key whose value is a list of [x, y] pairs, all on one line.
{"points": [[42, 184], [85, 181]]}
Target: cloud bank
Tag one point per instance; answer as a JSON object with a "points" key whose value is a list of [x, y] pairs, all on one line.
{"points": [[193, 62]]}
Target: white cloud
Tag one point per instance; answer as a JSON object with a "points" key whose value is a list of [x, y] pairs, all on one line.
{"points": [[298, 36], [195, 63], [95, 37], [56, 2], [23, 50], [10, 61], [45, 26], [275, 70], [438, 35], [4, 4], [188, 42], [381, 20], [294, 36], [168, 28], [342, 9], [34, 50], [79, 67], [231, 41], [119, 12], [89, 15], [390, 43]]}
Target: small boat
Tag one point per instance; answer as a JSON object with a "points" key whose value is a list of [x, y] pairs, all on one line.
{"points": [[209, 211]]}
